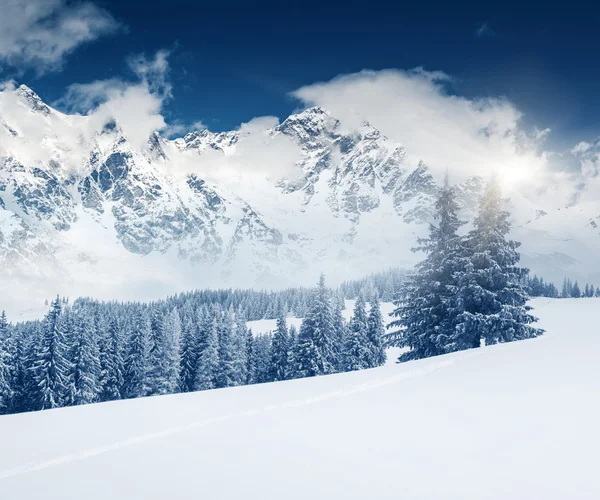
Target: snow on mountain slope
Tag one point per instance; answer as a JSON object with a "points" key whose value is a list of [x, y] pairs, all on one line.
{"points": [[84, 211], [516, 420]]}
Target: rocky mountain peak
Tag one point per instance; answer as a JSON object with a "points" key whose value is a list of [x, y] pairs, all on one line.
{"points": [[32, 100]]}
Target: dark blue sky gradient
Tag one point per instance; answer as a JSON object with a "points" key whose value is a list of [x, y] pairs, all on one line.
{"points": [[232, 61]]}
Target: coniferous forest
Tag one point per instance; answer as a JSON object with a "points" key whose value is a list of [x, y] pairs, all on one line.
{"points": [[468, 291]]}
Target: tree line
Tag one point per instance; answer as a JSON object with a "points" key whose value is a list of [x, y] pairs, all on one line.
{"points": [[573, 290], [91, 351]]}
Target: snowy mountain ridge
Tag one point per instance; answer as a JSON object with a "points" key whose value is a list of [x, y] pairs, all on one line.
{"points": [[81, 203]]}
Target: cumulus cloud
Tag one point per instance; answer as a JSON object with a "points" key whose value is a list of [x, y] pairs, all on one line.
{"points": [[39, 34], [581, 147], [258, 155], [415, 108], [136, 106]]}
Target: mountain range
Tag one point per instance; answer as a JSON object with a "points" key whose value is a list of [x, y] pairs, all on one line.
{"points": [[86, 210]]}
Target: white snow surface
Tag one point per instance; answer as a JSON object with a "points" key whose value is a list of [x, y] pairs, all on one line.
{"points": [[512, 421]]}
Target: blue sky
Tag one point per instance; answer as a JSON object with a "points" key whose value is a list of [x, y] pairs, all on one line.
{"points": [[232, 61]]}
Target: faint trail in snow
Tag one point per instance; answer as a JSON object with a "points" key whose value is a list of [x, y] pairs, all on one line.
{"points": [[144, 438]]}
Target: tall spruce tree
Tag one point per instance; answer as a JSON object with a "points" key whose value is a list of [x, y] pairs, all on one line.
{"points": [[490, 287], [136, 362], [172, 352], [357, 353], [6, 366], [240, 349], [226, 374], [428, 308], [207, 371], [85, 362], [51, 368], [261, 353], [189, 349], [111, 359], [155, 380], [339, 336], [293, 347], [280, 350], [315, 352], [375, 333]]}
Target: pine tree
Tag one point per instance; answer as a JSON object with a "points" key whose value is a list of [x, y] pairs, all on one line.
{"points": [[293, 346], [261, 353], [85, 362], [51, 367], [280, 350], [495, 302], [576, 291], [375, 333], [155, 380], [427, 307], [208, 361], [251, 368], [240, 349], [136, 363], [111, 359], [25, 384], [6, 367], [357, 352], [226, 374], [339, 337], [315, 353], [172, 352]]}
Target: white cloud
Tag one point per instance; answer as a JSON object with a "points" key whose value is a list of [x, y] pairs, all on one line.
{"points": [[581, 148], [135, 106], [256, 156], [467, 136], [39, 34], [484, 30]]}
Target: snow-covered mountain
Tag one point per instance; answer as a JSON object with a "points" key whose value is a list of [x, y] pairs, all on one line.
{"points": [[82, 204]]}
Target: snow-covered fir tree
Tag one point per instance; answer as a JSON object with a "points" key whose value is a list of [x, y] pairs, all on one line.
{"points": [[6, 391], [136, 362], [172, 352], [84, 360], [51, 368], [280, 349], [293, 347], [261, 359], [189, 348], [357, 352], [111, 359], [340, 337], [428, 308], [155, 380], [315, 354], [226, 374], [490, 285], [240, 349], [375, 333], [207, 371], [250, 359]]}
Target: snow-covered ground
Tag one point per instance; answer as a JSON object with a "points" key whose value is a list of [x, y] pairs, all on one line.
{"points": [[270, 325], [513, 421]]}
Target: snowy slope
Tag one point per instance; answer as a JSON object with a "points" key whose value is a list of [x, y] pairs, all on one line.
{"points": [[516, 421]]}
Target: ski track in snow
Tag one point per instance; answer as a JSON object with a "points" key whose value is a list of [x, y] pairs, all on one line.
{"points": [[144, 438]]}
